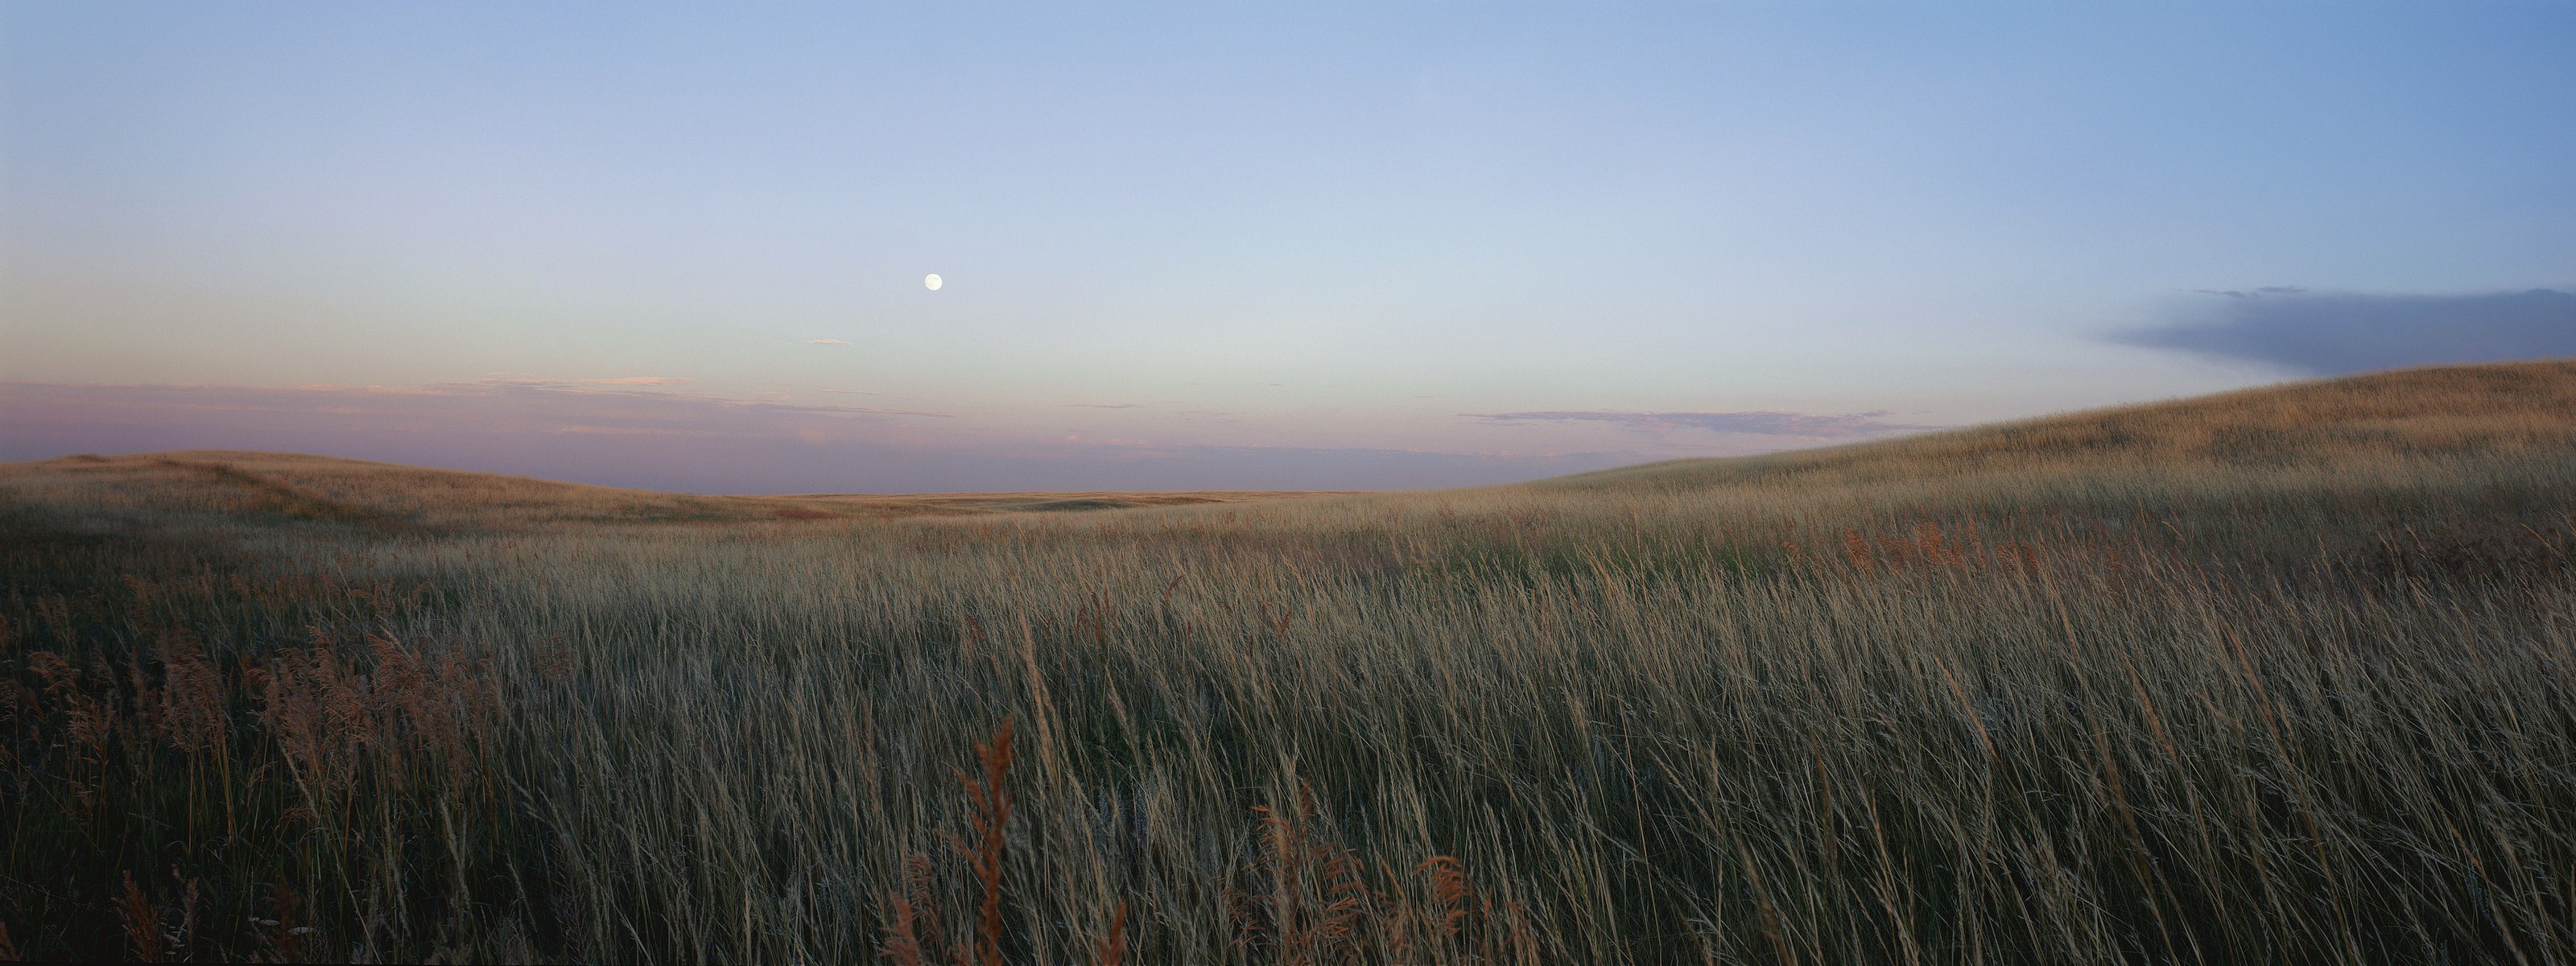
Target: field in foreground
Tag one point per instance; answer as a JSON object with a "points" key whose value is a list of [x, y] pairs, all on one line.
{"points": [[2282, 675]]}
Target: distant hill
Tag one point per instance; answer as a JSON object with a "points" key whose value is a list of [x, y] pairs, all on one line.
{"points": [[2318, 431], [302, 486]]}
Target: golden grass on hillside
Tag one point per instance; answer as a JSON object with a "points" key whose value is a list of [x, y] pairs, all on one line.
{"points": [[2285, 675], [2412, 415]]}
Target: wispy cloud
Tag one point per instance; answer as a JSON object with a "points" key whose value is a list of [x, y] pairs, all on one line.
{"points": [[825, 342], [1121, 405], [2338, 332], [2253, 293], [853, 392], [1762, 422], [543, 382], [648, 402], [875, 411]]}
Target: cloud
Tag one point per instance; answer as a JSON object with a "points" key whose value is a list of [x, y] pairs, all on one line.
{"points": [[2339, 332], [671, 408], [1763, 422], [1121, 405], [536, 382], [2255, 293], [875, 411], [825, 342]]}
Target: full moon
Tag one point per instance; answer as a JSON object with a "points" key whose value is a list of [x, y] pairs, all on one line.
{"points": [[930, 282]]}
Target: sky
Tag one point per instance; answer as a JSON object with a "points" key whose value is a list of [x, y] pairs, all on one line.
{"points": [[1240, 245]]}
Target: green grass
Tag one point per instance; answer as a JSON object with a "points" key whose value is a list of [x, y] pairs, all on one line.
{"points": [[2287, 675]]}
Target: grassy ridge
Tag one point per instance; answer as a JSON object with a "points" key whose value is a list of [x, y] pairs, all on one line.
{"points": [[2280, 675]]}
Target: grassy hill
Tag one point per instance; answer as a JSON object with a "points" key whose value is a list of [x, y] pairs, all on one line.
{"points": [[2480, 413], [2286, 675], [2466, 466]]}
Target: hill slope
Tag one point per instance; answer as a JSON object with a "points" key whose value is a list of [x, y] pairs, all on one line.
{"points": [[2354, 421]]}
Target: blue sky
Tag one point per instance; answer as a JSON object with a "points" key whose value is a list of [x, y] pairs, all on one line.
{"points": [[1190, 245]]}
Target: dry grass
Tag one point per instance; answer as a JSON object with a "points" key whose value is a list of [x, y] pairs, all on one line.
{"points": [[2284, 675]]}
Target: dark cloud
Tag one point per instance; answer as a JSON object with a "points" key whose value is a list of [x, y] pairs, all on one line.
{"points": [[1765, 422], [2329, 332], [691, 442]]}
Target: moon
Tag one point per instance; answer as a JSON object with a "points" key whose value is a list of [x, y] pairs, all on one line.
{"points": [[930, 282]]}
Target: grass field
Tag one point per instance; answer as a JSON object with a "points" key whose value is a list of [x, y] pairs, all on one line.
{"points": [[2284, 675]]}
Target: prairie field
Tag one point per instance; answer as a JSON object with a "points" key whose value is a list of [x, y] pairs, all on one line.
{"points": [[2282, 675]]}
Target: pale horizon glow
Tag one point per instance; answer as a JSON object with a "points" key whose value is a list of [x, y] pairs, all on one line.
{"points": [[1322, 247]]}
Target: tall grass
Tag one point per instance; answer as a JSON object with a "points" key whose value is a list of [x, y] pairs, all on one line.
{"points": [[2119, 688]]}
